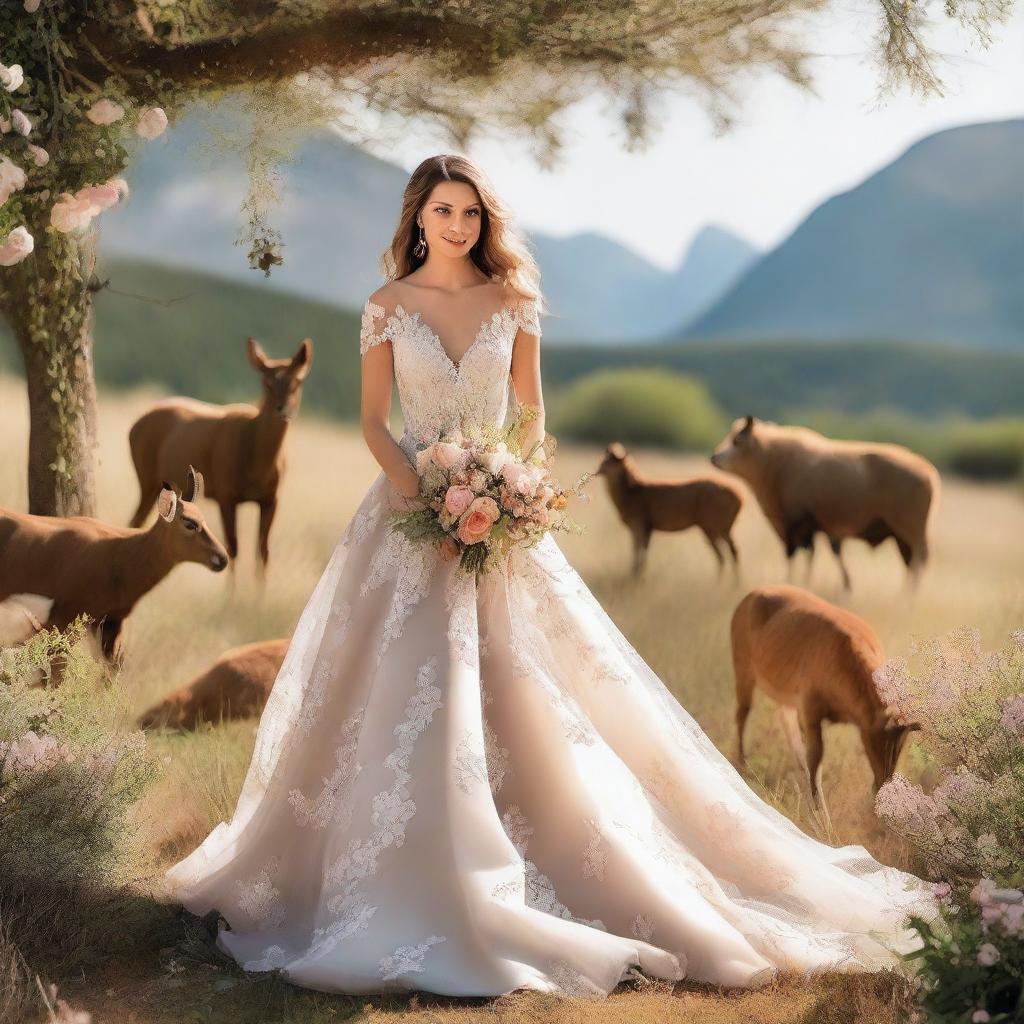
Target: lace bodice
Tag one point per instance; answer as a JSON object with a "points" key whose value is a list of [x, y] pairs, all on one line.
{"points": [[435, 393]]}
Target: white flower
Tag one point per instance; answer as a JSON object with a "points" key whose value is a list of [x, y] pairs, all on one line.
{"points": [[987, 954], [152, 123], [18, 244], [31, 6], [105, 111], [980, 1017], [12, 178], [39, 155], [11, 77], [20, 122]]}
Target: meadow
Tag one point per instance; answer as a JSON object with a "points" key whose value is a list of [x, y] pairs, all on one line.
{"points": [[676, 616]]}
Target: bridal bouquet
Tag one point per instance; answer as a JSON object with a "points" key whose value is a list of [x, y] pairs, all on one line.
{"points": [[481, 495]]}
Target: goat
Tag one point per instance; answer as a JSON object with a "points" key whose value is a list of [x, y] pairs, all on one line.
{"points": [[806, 483], [90, 567], [236, 685], [646, 505], [817, 661], [238, 448]]}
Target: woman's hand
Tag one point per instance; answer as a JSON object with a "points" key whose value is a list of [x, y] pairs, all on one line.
{"points": [[404, 492]]}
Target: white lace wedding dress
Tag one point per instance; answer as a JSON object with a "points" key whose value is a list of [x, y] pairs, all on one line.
{"points": [[469, 789]]}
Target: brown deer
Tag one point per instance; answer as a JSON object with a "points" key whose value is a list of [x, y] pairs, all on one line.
{"points": [[646, 505], [817, 661], [807, 484], [236, 685], [239, 448], [90, 567]]}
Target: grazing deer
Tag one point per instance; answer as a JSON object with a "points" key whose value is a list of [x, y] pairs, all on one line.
{"points": [[807, 483], [817, 661], [87, 566], [238, 448], [236, 685], [646, 505]]}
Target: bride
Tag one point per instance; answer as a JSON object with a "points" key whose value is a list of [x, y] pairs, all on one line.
{"points": [[468, 788]]}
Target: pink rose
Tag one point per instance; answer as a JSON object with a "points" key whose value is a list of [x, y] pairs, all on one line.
{"points": [[70, 212], [942, 889], [477, 520], [458, 499], [105, 111], [449, 456], [151, 124]]}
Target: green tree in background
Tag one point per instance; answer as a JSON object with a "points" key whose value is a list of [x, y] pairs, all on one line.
{"points": [[83, 82]]}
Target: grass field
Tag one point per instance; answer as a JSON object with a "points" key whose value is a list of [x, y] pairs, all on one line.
{"points": [[677, 617]]}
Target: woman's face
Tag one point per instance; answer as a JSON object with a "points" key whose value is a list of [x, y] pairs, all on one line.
{"points": [[451, 219]]}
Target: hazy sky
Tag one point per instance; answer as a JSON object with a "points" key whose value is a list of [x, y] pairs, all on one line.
{"points": [[788, 151]]}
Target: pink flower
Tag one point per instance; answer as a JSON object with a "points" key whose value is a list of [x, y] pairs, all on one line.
{"points": [[980, 1017], [39, 155], [457, 499], [449, 456], [70, 212], [942, 889], [104, 112], [101, 196], [1013, 716], [31, 6], [987, 954], [18, 244], [522, 479], [982, 892], [151, 124], [494, 462], [12, 178], [21, 124], [477, 520], [1013, 919]]}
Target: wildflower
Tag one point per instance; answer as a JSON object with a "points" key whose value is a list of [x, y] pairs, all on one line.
{"points": [[12, 178], [980, 1017], [11, 77], [104, 112], [987, 954], [151, 124], [18, 244]]}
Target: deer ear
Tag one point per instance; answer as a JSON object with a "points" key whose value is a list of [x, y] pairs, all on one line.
{"points": [[257, 357], [748, 423], [194, 485], [617, 450], [167, 504], [302, 359]]}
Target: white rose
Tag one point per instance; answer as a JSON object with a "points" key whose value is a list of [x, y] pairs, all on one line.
{"points": [[12, 178], [20, 123], [105, 112], [18, 244], [39, 155], [11, 77], [494, 462], [152, 123]]}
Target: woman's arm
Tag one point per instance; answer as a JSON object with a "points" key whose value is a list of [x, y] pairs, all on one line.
{"points": [[377, 376], [525, 371]]}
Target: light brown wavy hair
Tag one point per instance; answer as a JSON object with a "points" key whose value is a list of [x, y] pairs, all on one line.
{"points": [[500, 251]]}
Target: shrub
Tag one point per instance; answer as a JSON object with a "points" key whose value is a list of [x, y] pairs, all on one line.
{"points": [[69, 781], [660, 408], [970, 706]]}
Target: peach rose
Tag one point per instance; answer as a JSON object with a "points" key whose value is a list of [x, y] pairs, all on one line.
{"points": [[477, 520], [457, 499]]}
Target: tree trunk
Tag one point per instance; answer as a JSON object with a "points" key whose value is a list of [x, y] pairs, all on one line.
{"points": [[47, 301]]}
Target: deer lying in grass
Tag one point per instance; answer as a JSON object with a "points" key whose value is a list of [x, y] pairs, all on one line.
{"points": [[818, 662], [87, 566], [238, 448], [645, 505], [236, 685]]}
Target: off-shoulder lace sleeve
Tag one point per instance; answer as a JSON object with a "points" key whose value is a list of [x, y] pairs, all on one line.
{"points": [[527, 315], [374, 327]]}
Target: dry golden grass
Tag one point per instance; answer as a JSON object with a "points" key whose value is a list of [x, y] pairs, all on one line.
{"points": [[677, 617]]}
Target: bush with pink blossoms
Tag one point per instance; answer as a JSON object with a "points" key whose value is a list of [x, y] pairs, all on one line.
{"points": [[971, 970], [970, 704]]}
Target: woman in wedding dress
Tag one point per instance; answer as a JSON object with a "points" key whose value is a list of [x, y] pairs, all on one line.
{"points": [[468, 788]]}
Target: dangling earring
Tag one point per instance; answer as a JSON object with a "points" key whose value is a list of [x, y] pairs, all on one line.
{"points": [[420, 249]]}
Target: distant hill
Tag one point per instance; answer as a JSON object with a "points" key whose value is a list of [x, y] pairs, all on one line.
{"points": [[930, 247], [337, 213], [193, 342]]}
